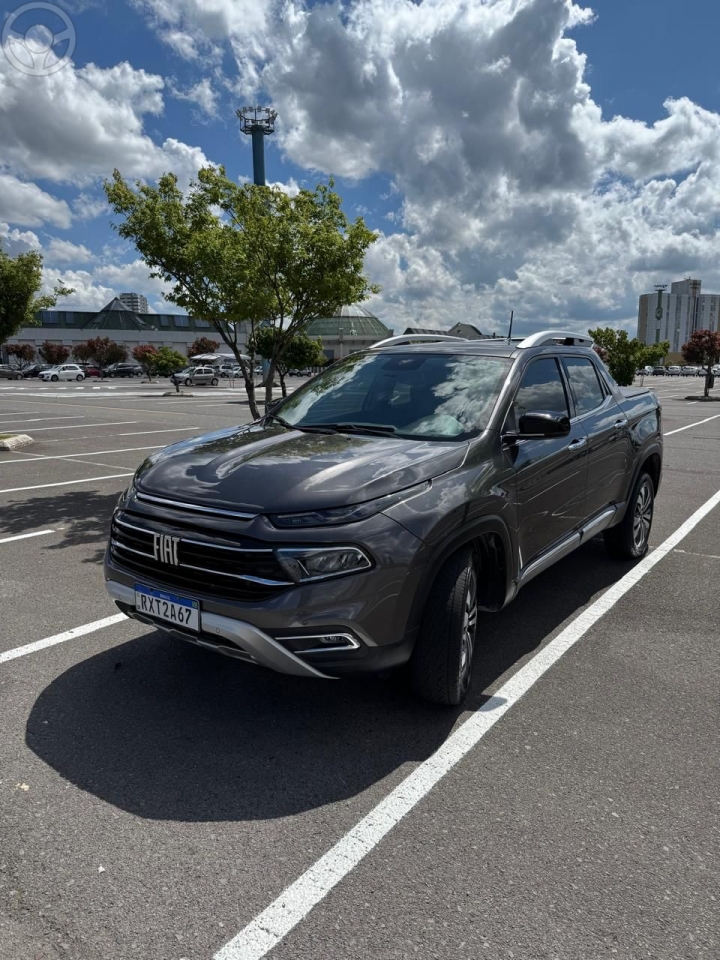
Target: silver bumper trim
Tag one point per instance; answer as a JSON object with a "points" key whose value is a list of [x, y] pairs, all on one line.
{"points": [[262, 648]]}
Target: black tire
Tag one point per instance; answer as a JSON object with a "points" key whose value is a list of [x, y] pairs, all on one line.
{"points": [[79, 377], [54, 378], [629, 540], [441, 663], [18, 376], [214, 382], [188, 382]]}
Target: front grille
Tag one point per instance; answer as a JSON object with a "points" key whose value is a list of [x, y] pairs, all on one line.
{"points": [[241, 570]]}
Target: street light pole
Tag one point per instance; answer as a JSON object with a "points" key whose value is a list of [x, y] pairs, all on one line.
{"points": [[257, 122]]}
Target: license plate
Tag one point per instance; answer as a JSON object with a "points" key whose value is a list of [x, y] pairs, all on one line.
{"points": [[166, 606]]}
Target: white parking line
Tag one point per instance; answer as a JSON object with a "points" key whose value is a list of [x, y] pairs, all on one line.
{"points": [[271, 926], [74, 456], [77, 426], [690, 425], [64, 483], [140, 433], [21, 419], [60, 638], [26, 536]]}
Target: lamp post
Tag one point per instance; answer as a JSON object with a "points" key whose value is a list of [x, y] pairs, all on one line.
{"points": [[257, 122]]}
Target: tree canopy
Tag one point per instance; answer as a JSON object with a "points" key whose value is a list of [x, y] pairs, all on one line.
{"points": [[20, 283], [623, 355], [246, 253], [203, 345], [54, 353], [703, 348], [300, 351], [24, 354], [101, 351]]}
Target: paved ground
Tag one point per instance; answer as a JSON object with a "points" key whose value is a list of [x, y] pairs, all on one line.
{"points": [[154, 799]]}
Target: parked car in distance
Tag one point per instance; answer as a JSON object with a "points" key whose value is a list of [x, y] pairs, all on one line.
{"points": [[193, 376], [90, 370], [124, 369], [689, 371], [63, 371], [674, 371], [368, 518], [9, 373], [659, 371], [34, 370]]}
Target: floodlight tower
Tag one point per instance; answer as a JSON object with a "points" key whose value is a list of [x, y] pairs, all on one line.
{"points": [[258, 122]]}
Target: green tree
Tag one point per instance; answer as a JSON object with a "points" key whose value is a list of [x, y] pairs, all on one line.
{"points": [[20, 281], [167, 361], [101, 351], [300, 351], [145, 356], [623, 355], [703, 348], [235, 254], [54, 353], [24, 354], [203, 345]]}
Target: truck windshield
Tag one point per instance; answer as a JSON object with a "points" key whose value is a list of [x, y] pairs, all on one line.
{"points": [[420, 395]]}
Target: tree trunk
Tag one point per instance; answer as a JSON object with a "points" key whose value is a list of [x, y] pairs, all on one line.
{"points": [[283, 387], [708, 375], [269, 382]]}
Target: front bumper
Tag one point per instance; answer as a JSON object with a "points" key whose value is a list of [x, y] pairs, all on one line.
{"points": [[235, 638]]}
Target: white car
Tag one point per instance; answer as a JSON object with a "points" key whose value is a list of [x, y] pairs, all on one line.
{"points": [[674, 371], [64, 371]]}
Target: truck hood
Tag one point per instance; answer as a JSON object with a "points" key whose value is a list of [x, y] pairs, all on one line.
{"points": [[266, 468]]}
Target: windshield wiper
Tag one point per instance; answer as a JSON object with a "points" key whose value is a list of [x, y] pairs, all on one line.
{"points": [[383, 429], [321, 428]]}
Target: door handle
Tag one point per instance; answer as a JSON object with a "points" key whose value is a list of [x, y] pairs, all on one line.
{"points": [[577, 444], [619, 424]]}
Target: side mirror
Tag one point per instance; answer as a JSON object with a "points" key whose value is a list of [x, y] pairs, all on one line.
{"points": [[539, 424]]}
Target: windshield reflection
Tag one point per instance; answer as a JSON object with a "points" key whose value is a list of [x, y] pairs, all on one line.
{"points": [[423, 396]]}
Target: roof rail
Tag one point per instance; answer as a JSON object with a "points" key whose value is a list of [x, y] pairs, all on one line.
{"points": [[415, 338], [556, 337]]}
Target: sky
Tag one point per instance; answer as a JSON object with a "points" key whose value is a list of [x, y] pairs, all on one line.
{"points": [[535, 155]]}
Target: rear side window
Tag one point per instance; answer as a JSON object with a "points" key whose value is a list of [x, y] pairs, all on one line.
{"points": [[541, 388], [584, 383]]}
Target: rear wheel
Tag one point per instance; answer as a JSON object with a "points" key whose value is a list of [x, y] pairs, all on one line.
{"points": [[629, 539], [18, 376], [214, 382], [441, 663]]}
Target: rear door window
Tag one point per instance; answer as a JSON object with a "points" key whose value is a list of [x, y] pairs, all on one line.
{"points": [[585, 385]]}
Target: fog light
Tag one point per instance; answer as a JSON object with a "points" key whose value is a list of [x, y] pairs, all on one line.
{"points": [[327, 643]]}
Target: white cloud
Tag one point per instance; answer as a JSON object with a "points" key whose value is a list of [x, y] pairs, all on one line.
{"points": [[88, 294], [17, 241], [202, 94], [87, 206], [77, 125], [26, 204], [133, 276], [63, 251]]}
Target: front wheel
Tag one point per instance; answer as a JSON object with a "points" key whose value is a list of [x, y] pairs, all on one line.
{"points": [[441, 663], [18, 376], [79, 377], [629, 540], [54, 378]]}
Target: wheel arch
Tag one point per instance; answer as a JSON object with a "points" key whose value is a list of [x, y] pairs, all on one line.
{"points": [[491, 540]]}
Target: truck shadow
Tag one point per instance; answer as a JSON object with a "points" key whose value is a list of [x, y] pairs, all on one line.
{"points": [[168, 731], [82, 517]]}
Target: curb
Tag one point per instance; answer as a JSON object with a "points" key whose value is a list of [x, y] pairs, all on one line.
{"points": [[19, 440]]}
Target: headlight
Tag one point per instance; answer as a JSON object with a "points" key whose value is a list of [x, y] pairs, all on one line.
{"points": [[350, 514], [319, 563]]}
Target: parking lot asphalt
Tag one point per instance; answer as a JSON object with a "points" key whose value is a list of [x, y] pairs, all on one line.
{"points": [[155, 799]]}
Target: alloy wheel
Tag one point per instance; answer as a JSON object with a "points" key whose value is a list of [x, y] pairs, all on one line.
{"points": [[469, 628], [642, 518]]}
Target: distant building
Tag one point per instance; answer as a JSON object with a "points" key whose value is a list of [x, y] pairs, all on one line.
{"points": [[465, 330], [676, 315], [135, 302], [350, 329], [115, 320]]}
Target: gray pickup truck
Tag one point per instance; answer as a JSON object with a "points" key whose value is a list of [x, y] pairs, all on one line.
{"points": [[366, 521]]}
